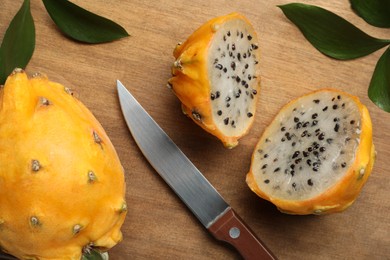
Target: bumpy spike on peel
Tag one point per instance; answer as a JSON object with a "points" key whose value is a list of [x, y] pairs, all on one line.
{"points": [[49, 151], [345, 183], [231, 40]]}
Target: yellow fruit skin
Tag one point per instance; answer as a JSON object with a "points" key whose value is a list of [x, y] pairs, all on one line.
{"points": [[344, 193], [52, 211], [190, 81]]}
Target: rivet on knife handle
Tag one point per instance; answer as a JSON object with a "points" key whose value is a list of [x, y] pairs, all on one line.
{"points": [[230, 228]]}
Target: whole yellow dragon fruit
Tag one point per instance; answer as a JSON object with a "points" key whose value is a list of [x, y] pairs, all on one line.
{"points": [[62, 188]]}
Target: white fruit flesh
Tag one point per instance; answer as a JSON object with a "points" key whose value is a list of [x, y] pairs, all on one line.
{"points": [[233, 71], [309, 146]]}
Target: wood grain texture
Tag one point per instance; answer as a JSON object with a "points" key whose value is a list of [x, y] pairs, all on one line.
{"points": [[158, 225]]}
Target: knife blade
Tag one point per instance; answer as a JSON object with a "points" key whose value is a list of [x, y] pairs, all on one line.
{"points": [[187, 181]]}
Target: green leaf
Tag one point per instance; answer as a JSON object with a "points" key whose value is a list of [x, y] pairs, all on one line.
{"points": [[379, 90], [374, 12], [18, 43], [82, 25], [95, 255], [331, 34]]}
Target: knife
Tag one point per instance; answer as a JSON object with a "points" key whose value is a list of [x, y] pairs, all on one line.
{"points": [[188, 182]]}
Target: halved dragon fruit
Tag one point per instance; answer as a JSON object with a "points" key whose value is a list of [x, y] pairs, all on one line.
{"points": [[216, 77], [316, 154]]}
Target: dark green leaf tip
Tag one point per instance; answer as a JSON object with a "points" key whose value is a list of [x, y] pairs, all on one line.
{"points": [[82, 25], [18, 43], [379, 89], [331, 34]]}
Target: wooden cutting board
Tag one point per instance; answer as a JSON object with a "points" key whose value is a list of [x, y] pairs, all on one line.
{"points": [[158, 225]]}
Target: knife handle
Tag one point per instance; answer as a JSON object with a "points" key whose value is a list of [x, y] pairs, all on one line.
{"points": [[231, 228]]}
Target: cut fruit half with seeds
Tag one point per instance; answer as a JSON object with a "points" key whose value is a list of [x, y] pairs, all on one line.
{"points": [[216, 77], [316, 155]]}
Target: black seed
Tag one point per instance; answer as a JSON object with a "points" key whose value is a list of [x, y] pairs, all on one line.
{"points": [[228, 33], [249, 37], [316, 101], [266, 181], [244, 55], [266, 155], [225, 70], [296, 154], [232, 123], [292, 173], [352, 122], [283, 129], [224, 38], [316, 153], [292, 166], [304, 133], [254, 92], [226, 121], [228, 105], [321, 136], [254, 46], [336, 127], [219, 66], [338, 97], [334, 106], [325, 108], [217, 94], [305, 154], [237, 95], [267, 140], [322, 149], [230, 54], [246, 66], [296, 119], [305, 124], [249, 77], [228, 99], [293, 185], [242, 35], [219, 112], [343, 105], [246, 85], [310, 182], [233, 47], [238, 79], [347, 139], [239, 56], [298, 125], [333, 99], [264, 166], [277, 169], [315, 122], [329, 140], [249, 114], [336, 119], [293, 143], [314, 116], [316, 145], [233, 65], [283, 139], [298, 160], [308, 162], [212, 96], [343, 164]]}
